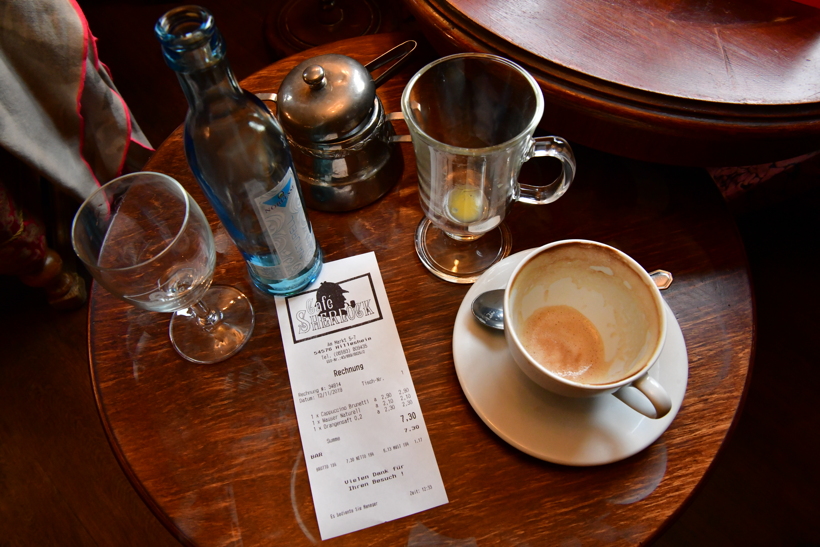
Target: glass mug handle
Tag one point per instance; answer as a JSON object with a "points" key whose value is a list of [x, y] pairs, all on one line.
{"points": [[554, 147]]}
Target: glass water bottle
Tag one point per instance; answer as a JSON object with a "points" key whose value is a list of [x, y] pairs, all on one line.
{"points": [[240, 156]]}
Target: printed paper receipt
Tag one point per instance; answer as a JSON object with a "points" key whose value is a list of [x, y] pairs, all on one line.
{"points": [[368, 455]]}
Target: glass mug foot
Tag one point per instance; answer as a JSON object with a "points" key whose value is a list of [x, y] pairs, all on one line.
{"points": [[460, 261], [232, 320]]}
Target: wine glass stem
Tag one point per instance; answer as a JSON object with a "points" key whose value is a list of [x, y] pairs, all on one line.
{"points": [[205, 316]]}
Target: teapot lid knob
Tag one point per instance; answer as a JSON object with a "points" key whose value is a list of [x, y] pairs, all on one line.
{"points": [[314, 76]]}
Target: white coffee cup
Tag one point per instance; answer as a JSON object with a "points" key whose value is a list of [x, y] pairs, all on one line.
{"points": [[583, 319]]}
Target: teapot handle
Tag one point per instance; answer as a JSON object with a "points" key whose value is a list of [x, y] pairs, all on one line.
{"points": [[399, 53]]}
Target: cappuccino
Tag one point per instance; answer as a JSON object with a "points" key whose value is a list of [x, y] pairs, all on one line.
{"points": [[597, 307], [564, 341], [583, 319]]}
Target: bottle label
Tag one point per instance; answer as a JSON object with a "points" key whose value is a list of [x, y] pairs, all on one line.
{"points": [[287, 230]]}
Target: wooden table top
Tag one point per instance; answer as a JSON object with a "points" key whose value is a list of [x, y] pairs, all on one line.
{"points": [[724, 82], [215, 450]]}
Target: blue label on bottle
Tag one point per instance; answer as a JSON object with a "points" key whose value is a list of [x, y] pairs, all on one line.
{"points": [[286, 229], [280, 199]]}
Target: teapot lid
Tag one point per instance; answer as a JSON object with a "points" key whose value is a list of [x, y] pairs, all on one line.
{"points": [[325, 98]]}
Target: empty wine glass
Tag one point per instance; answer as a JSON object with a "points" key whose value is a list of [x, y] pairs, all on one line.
{"points": [[147, 242]]}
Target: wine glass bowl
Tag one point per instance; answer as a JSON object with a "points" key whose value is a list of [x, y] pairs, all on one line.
{"points": [[147, 242]]}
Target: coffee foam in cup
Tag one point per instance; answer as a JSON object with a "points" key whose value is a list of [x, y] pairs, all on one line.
{"points": [[619, 322]]}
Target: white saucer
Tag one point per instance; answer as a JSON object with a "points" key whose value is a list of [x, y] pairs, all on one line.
{"points": [[561, 430]]}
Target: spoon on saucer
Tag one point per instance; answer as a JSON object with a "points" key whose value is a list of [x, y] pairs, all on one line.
{"points": [[488, 307]]}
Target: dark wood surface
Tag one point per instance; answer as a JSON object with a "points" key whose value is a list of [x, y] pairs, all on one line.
{"points": [[724, 82], [215, 451]]}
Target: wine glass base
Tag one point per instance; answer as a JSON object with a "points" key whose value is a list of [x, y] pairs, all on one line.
{"points": [[208, 345], [460, 261]]}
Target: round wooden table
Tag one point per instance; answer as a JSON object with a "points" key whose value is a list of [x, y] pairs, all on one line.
{"points": [[718, 83], [215, 450]]}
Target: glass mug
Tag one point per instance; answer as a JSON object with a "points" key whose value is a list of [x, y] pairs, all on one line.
{"points": [[471, 119]]}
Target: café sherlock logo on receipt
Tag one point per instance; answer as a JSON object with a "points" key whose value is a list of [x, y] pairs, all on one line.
{"points": [[333, 307]]}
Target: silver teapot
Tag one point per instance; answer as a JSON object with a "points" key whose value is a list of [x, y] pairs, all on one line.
{"points": [[342, 142]]}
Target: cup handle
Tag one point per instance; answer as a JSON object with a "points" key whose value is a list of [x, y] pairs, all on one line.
{"points": [[653, 391], [554, 147]]}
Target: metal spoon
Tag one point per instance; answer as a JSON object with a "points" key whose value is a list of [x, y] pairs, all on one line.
{"points": [[488, 307]]}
